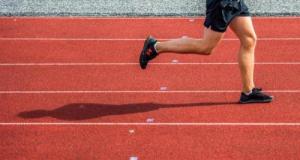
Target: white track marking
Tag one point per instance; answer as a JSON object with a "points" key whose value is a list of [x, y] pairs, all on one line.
{"points": [[146, 124], [134, 64], [72, 39], [141, 91], [75, 64], [129, 39]]}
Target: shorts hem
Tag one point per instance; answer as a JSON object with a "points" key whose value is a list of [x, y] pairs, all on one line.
{"points": [[214, 28], [217, 29]]}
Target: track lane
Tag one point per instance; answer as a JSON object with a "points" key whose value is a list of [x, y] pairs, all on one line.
{"points": [[137, 108], [110, 142], [175, 77], [128, 52], [131, 28]]}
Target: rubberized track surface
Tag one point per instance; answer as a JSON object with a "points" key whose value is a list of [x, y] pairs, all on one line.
{"points": [[73, 89]]}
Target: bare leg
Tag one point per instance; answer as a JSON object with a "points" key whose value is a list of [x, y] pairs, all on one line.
{"points": [[243, 28], [190, 45]]}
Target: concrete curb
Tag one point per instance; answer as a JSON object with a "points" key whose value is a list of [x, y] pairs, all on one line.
{"points": [[135, 7]]}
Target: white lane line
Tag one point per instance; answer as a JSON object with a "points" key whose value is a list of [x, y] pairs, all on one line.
{"points": [[100, 92], [133, 64], [129, 39], [72, 64], [145, 124], [141, 91]]}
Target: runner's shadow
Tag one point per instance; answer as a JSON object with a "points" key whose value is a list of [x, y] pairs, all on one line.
{"points": [[83, 111]]}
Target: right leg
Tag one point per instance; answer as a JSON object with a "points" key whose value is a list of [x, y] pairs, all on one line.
{"points": [[190, 45]]}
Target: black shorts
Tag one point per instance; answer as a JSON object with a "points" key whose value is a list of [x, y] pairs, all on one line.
{"points": [[219, 13]]}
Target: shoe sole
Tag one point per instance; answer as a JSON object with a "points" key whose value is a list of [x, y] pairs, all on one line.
{"points": [[256, 101], [143, 63]]}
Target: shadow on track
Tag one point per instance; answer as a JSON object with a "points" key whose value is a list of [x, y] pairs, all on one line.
{"points": [[83, 111]]}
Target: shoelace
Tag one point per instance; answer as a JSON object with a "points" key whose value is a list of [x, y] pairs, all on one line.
{"points": [[259, 92], [257, 89]]}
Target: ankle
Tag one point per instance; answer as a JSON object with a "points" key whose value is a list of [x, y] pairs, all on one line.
{"points": [[156, 47], [247, 91]]}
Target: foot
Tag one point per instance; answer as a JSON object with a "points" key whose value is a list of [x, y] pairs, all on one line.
{"points": [[149, 52], [257, 96]]}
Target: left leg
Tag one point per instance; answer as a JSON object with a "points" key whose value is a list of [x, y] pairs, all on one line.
{"points": [[243, 28]]}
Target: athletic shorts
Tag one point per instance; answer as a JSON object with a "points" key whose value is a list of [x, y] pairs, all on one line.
{"points": [[219, 13]]}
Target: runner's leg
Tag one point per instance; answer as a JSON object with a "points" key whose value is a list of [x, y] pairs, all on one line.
{"points": [[190, 45], [242, 26]]}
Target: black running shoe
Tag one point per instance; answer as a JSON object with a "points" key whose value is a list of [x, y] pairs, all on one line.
{"points": [[148, 53], [257, 96]]}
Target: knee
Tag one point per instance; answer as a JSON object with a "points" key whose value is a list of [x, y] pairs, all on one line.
{"points": [[206, 49], [249, 41]]}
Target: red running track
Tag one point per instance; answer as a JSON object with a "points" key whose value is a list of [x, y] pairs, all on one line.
{"points": [[116, 40], [115, 78], [150, 142], [132, 28], [124, 52]]}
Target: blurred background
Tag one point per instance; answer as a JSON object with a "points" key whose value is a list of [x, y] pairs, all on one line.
{"points": [[135, 7]]}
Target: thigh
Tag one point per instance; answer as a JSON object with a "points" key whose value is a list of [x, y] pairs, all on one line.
{"points": [[219, 13], [242, 26]]}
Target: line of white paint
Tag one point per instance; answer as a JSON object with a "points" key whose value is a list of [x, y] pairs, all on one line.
{"points": [[146, 124], [129, 39], [74, 64], [129, 64], [141, 91]]}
